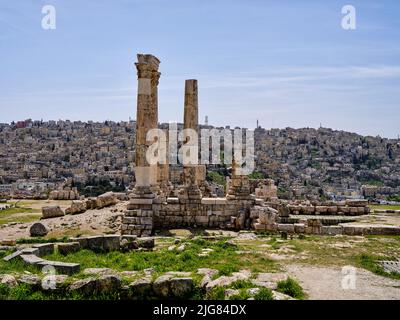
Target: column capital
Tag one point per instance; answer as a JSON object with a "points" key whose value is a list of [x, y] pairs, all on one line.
{"points": [[144, 70], [155, 78]]}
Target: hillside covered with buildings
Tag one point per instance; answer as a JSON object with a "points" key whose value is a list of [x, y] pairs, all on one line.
{"points": [[37, 157]]}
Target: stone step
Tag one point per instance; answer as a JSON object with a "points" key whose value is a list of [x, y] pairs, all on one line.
{"points": [[61, 267]]}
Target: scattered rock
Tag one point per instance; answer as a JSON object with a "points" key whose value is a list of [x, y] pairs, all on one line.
{"points": [[246, 236], [166, 286], [76, 207], [269, 280], [281, 296], [227, 280], [149, 271], [161, 286], [208, 275], [105, 200], [9, 281], [230, 244], [38, 229], [30, 280], [85, 287], [253, 291], [57, 282], [231, 292], [140, 288], [98, 271], [146, 242], [108, 283], [181, 287]]}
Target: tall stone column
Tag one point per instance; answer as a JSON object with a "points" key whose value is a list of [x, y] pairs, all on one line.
{"points": [[138, 219], [191, 111], [192, 174]]}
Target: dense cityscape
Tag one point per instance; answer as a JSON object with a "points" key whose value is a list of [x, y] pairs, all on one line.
{"points": [[37, 157]]}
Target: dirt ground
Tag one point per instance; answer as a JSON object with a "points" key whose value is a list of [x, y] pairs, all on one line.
{"points": [[91, 222], [325, 283]]}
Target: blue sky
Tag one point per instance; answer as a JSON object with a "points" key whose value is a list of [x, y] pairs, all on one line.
{"points": [[286, 63]]}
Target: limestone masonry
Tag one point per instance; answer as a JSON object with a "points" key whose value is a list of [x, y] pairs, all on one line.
{"points": [[246, 205]]}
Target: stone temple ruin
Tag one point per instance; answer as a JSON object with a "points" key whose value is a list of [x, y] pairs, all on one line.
{"points": [[151, 208]]}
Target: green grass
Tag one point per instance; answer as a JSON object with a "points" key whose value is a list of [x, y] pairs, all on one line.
{"points": [[222, 258], [385, 207], [217, 293], [25, 292], [18, 214], [15, 265], [370, 263], [264, 294], [291, 288], [242, 295], [242, 284], [14, 210]]}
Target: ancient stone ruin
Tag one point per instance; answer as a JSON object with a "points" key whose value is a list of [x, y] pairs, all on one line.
{"points": [[246, 205]]}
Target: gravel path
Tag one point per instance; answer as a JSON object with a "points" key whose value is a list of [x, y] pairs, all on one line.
{"points": [[324, 283]]}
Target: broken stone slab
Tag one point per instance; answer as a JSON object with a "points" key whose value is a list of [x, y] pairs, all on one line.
{"points": [[44, 248], [95, 243], [38, 229], [83, 241], [12, 256], [31, 259], [68, 247], [18, 253], [61, 267], [111, 243]]}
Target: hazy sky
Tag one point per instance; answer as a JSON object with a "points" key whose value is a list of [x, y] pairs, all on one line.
{"points": [[286, 63]]}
